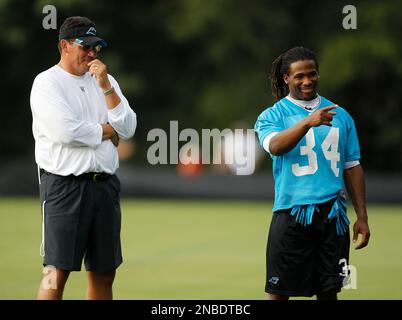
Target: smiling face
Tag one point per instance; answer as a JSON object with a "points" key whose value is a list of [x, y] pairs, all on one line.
{"points": [[75, 58], [302, 79]]}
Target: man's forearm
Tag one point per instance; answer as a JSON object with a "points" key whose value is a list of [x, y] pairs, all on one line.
{"points": [[99, 69], [108, 132], [112, 99], [288, 139], [355, 185]]}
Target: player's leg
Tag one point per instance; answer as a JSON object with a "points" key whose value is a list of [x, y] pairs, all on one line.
{"points": [[65, 231], [277, 297], [104, 250], [52, 284], [328, 295], [332, 258], [100, 285], [290, 258]]}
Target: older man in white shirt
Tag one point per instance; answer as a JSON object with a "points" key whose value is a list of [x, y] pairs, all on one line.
{"points": [[79, 115]]}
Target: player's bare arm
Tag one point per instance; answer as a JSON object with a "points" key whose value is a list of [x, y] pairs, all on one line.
{"points": [[354, 181], [286, 140], [110, 133], [99, 70], [115, 140]]}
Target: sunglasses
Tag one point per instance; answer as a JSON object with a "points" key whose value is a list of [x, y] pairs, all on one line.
{"points": [[86, 47]]}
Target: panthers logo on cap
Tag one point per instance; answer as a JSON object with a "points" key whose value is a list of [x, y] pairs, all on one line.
{"points": [[91, 31]]}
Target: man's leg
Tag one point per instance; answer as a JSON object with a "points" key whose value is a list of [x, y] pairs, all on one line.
{"points": [[100, 285], [52, 284], [329, 295], [332, 258], [277, 297], [65, 227], [289, 259]]}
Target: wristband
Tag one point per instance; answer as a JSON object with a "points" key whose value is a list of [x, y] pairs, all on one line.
{"points": [[108, 91]]}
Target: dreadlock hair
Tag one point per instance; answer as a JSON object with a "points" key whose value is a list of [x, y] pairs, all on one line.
{"points": [[281, 65]]}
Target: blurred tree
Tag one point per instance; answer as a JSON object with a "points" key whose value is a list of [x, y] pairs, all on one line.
{"points": [[206, 63]]}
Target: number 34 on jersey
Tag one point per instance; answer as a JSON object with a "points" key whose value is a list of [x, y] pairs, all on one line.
{"points": [[330, 150]]}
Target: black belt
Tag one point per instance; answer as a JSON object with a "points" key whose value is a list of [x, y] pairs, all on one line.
{"points": [[92, 176]]}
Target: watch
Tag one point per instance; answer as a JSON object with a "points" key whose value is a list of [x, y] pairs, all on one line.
{"points": [[108, 91]]}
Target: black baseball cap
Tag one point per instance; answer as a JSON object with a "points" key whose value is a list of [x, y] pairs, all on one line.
{"points": [[81, 28]]}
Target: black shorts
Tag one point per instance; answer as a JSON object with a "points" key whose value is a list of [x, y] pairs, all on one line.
{"points": [[81, 218], [305, 260]]}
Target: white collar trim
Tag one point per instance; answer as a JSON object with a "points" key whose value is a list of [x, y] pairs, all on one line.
{"points": [[309, 106]]}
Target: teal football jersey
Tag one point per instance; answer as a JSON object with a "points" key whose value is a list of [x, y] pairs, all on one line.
{"points": [[312, 172]]}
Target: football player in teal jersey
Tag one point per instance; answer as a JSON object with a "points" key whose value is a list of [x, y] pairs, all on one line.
{"points": [[315, 151]]}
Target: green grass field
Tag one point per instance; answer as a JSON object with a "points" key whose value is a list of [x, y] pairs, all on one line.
{"points": [[192, 250]]}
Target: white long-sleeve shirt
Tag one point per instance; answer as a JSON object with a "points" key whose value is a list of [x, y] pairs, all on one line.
{"points": [[67, 113]]}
